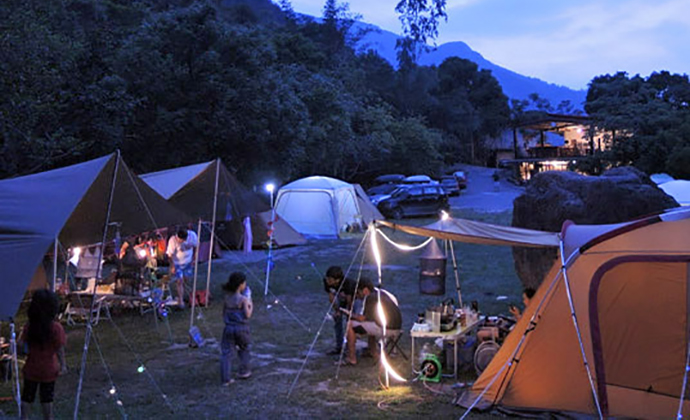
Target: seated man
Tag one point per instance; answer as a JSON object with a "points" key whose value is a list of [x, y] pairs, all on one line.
{"points": [[369, 323]]}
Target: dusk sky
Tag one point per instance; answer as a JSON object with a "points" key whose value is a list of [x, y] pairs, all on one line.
{"points": [[562, 42]]}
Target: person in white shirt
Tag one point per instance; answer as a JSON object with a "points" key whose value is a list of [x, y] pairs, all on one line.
{"points": [[181, 253]]}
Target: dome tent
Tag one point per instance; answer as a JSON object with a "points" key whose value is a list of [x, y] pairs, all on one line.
{"points": [[627, 287], [319, 206]]}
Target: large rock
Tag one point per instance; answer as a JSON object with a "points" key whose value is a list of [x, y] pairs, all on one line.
{"points": [[551, 198]]}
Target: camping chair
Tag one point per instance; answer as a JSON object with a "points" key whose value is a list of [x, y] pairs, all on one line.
{"points": [[392, 343], [80, 307]]}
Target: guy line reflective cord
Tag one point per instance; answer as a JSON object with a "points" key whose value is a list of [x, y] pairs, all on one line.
{"points": [[325, 318], [276, 301], [509, 362]]}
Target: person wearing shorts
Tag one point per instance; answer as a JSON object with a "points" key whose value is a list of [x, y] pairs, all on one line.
{"points": [[45, 340], [368, 322], [180, 250]]}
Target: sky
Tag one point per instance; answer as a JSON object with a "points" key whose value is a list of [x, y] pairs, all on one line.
{"points": [[558, 41]]}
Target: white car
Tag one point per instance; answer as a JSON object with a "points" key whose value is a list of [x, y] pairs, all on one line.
{"points": [[419, 179]]}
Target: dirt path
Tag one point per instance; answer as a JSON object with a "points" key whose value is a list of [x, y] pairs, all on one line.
{"points": [[482, 194]]}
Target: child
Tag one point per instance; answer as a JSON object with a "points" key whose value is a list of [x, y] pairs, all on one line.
{"points": [[237, 309], [45, 340]]}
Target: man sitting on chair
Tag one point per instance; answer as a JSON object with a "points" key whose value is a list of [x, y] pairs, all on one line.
{"points": [[369, 323]]}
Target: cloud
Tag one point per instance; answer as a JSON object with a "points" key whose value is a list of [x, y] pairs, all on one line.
{"points": [[590, 39]]}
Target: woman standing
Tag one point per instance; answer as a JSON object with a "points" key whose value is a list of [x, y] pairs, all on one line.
{"points": [[45, 341]]}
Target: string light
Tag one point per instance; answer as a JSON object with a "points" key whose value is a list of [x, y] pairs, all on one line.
{"points": [[112, 391], [379, 308], [404, 247], [444, 215], [141, 369], [390, 369]]}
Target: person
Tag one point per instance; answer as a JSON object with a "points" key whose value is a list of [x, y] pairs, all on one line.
{"points": [[340, 297], [527, 296], [369, 322], [181, 252], [237, 309], [45, 340]]}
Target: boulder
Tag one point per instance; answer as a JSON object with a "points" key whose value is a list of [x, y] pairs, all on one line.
{"points": [[551, 198]]}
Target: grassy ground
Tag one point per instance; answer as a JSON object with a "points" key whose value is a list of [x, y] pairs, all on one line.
{"points": [[189, 378]]}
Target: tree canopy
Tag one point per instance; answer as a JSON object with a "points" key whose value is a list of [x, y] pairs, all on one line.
{"points": [[273, 93], [647, 120]]}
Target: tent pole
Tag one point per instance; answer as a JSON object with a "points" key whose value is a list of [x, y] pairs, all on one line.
{"points": [[269, 260], [55, 262], [573, 317], [89, 325], [213, 234], [15, 365], [196, 270], [457, 274]]}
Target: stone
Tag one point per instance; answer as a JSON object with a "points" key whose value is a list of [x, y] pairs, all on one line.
{"points": [[551, 198]]}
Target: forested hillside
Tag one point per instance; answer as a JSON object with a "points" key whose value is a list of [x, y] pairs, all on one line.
{"points": [[173, 82]]}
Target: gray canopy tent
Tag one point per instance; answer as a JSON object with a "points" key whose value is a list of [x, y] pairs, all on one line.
{"points": [[76, 205]]}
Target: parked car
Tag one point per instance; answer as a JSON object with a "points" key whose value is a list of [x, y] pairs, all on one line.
{"points": [[380, 192], [419, 179], [415, 200], [461, 177], [450, 184], [389, 179]]}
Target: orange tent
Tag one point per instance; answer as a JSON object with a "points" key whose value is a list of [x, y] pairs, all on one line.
{"points": [[607, 333]]}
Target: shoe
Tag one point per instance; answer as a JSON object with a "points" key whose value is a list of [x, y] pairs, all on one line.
{"points": [[334, 352], [345, 362], [244, 375], [228, 382]]}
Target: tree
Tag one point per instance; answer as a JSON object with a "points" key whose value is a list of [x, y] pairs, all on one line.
{"points": [[420, 20]]}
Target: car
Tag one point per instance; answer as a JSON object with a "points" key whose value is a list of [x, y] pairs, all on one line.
{"points": [[461, 177], [450, 184], [389, 179], [415, 200], [380, 192], [419, 179]]}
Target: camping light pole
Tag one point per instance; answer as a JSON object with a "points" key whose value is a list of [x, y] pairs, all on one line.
{"points": [[271, 225]]}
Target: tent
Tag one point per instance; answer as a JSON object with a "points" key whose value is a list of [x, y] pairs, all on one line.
{"points": [[470, 231], [193, 189], [607, 333], [679, 190], [369, 211], [319, 206], [77, 205]]}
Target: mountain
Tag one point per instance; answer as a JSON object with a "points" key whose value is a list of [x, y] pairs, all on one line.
{"points": [[515, 85]]}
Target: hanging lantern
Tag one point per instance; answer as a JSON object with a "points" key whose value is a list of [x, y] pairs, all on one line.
{"points": [[432, 270]]}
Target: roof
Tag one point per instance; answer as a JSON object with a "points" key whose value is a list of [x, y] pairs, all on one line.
{"points": [[470, 231], [73, 204], [316, 183], [170, 181]]}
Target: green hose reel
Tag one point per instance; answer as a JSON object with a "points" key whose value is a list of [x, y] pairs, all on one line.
{"points": [[431, 368]]}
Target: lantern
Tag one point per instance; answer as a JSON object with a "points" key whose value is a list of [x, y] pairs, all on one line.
{"points": [[432, 270]]}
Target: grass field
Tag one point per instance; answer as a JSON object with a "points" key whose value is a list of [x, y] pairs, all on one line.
{"points": [[182, 382]]}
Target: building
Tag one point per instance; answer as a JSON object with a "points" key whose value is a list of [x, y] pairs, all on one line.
{"points": [[547, 142]]}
